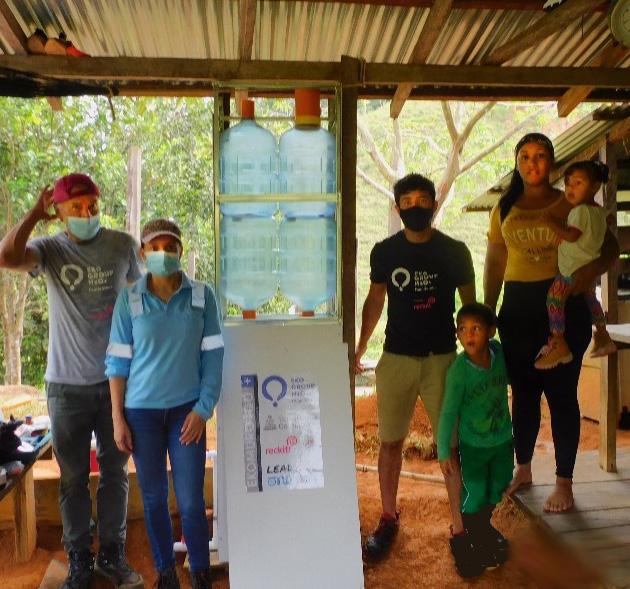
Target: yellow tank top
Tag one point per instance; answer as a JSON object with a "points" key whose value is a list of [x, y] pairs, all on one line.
{"points": [[531, 244]]}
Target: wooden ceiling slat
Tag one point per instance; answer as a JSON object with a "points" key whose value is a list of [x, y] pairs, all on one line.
{"points": [[438, 15], [11, 30], [609, 57], [247, 22], [541, 29], [16, 38]]}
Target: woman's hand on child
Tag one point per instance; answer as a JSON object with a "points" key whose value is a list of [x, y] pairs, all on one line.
{"points": [[447, 467], [193, 428]]}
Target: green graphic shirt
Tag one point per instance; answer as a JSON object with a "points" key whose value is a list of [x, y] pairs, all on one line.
{"points": [[478, 397]]}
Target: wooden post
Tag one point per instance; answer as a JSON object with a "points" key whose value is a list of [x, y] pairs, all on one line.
{"points": [[25, 518], [192, 259], [239, 96], [134, 191], [225, 98], [609, 374], [350, 77]]}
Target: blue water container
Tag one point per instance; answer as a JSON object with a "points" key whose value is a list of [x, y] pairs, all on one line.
{"points": [[249, 261], [248, 165], [308, 258], [307, 159]]}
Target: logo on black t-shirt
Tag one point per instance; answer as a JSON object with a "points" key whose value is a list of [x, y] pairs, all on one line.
{"points": [[402, 273]]}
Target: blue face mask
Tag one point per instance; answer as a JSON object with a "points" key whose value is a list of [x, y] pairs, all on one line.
{"points": [[83, 228], [162, 263]]}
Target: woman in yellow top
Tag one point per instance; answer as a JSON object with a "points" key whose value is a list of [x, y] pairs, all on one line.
{"points": [[523, 253]]}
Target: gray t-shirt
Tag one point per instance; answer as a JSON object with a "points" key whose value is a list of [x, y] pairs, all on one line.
{"points": [[83, 281]]}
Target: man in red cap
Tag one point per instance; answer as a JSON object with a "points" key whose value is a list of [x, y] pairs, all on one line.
{"points": [[85, 266]]}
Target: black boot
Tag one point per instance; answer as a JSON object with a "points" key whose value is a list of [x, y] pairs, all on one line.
{"points": [[201, 579], [80, 568], [112, 564], [496, 543], [167, 580], [465, 554], [492, 546]]}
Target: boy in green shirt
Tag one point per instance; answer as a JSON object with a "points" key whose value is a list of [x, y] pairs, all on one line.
{"points": [[476, 399]]}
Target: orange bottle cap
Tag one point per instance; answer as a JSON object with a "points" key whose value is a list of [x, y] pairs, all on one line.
{"points": [[307, 109], [249, 313], [247, 108]]}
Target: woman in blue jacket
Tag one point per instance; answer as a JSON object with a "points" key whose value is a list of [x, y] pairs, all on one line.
{"points": [[164, 364]]}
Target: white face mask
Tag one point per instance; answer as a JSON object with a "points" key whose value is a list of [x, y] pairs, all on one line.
{"points": [[162, 263], [84, 228]]}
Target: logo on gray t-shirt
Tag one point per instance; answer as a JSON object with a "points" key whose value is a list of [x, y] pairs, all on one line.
{"points": [[71, 275]]}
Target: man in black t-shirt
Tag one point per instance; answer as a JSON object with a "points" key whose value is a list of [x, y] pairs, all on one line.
{"points": [[419, 269]]}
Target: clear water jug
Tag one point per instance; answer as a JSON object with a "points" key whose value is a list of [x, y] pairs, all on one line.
{"points": [[307, 159], [249, 261], [308, 254], [248, 164]]}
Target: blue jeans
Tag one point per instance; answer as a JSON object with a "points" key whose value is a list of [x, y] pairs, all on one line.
{"points": [[156, 432], [75, 411]]}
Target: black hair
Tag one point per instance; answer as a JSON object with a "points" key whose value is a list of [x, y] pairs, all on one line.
{"points": [[479, 311], [595, 170], [412, 182], [516, 187]]}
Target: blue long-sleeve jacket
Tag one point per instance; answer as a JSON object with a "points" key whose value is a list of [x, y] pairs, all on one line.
{"points": [[170, 353]]}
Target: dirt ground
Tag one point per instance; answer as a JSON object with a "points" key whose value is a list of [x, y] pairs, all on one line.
{"points": [[420, 557]]}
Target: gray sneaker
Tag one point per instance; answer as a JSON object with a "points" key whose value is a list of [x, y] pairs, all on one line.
{"points": [[112, 564]]}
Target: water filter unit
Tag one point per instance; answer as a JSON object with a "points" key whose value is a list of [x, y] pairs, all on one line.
{"points": [[308, 261], [249, 261], [307, 156], [248, 165]]}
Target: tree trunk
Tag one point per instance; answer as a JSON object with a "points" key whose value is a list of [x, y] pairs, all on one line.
{"points": [[13, 290], [394, 224], [134, 192]]}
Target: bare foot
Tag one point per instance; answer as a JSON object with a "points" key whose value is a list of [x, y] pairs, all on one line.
{"points": [[522, 478], [561, 499]]}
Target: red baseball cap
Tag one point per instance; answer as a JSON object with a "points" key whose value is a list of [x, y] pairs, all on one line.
{"points": [[74, 185]]}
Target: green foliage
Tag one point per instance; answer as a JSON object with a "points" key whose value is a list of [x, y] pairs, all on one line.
{"points": [[38, 145], [425, 136]]}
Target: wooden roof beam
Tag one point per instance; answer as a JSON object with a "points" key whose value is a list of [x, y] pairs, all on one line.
{"points": [[438, 15], [493, 76], [172, 69], [278, 72], [12, 32], [247, 25], [609, 57], [541, 29]]}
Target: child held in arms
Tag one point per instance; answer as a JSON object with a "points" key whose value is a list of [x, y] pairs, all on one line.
{"points": [[582, 237]]}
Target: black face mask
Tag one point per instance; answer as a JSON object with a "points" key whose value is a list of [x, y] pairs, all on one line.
{"points": [[416, 218]]}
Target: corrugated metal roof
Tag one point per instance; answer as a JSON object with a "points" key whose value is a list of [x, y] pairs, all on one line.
{"points": [[566, 146], [299, 30]]}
